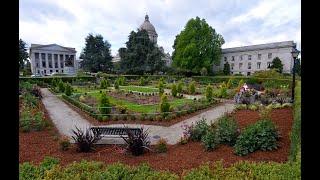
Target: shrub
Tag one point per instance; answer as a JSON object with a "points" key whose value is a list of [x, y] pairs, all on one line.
{"points": [[210, 140], [136, 143], [64, 143], [116, 84], [164, 104], [104, 104], [183, 140], [103, 84], [142, 81], [241, 106], [192, 88], [223, 92], [161, 88], [84, 139], [261, 135], [39, 122], [203, 71], [286, 105], [61, 86], [227, 130], [174, 90], [180, 87], [122, 109], [209, 93], [161, 146], [68, 89], [199, 130], [253, 107]]}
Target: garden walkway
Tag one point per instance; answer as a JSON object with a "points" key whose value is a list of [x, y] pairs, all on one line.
{"points": [[66, 119]]}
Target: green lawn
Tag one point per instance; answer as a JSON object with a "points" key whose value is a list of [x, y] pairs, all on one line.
{"points": [[138, 107]]}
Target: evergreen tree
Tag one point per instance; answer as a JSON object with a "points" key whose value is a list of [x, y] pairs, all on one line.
{"points": [[226, 68], [96, 55], [23, 54], [298, 66], [276, 64], [140, 55]]}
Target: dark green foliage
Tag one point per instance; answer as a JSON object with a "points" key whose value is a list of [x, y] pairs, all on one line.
{"points": [[203, 71], [226, 68], [137, 143], [23, 54], [298, 66], [164, 104], [174, 90], [140, 55], [210, 140], [61, 86], [68, 89], [192, 87], [161, 87], [261, 135], [104, 104], [84, 139], [180, 87], [116, 84], [161, 146], [197, 46], [104, 84], [295, 136], [276, 64], [199, 130], [227, 130], [96, 54], [209, 93]]}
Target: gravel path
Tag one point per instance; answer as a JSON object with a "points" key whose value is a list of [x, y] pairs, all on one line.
{"points": [[66, 119], [63, 117]]}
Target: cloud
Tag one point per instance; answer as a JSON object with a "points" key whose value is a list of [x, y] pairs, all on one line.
{"points": [[68, 22]]}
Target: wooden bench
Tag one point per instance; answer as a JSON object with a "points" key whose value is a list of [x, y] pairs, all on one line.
{"points": [[114, 132]]}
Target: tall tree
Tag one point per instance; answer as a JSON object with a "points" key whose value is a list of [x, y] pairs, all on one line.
{"points": [[197, 46], [23, 54], [96, 54], [226, 68], [140, 55], [276, 64]]}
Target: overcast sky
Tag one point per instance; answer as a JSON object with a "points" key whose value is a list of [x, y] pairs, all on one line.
{"points": [[240, 22]]}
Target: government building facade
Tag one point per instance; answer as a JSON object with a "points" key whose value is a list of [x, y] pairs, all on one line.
{"points": [[246, 60], [52, 58]]}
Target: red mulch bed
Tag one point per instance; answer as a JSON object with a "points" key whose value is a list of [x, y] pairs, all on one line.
{"points": [[35, 145]]}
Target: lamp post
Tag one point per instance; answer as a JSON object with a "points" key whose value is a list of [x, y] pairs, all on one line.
{"points": [[295, 54]]}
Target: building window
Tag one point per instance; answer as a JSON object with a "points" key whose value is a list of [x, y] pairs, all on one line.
{"points": [[232, 58], [50, 71], [269, 65], [38, 72], [36, 55], [269, 55], [249, 65], [241, 58], [57, 71], [45, 71], [43, 63], [61, 60], [258, 65], [259, 56], [248, 73], [232, 65], [225, 58], [37, 65], [62, 71], [43, 58], [50, 60], [249, 57], [240, 65]]}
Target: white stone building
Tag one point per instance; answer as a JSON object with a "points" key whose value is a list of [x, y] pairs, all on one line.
{"points": [[249, 59], [47, 59]]}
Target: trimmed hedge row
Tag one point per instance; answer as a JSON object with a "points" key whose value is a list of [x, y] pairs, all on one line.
{"points": [[48, 79], [296, 127], [51, 169], [80, 105]]}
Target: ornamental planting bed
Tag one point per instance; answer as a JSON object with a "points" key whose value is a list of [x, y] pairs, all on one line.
{"points": [[34, 146]]}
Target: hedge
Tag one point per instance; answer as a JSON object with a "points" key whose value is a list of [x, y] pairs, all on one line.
{"points": [[80, 105], [296, 127], [48, 79], [51, 169]]}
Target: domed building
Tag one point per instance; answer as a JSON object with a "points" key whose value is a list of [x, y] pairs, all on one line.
{"points": [[146, 25]]}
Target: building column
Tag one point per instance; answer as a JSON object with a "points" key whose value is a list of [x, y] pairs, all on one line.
{"points": [[47, 63]]}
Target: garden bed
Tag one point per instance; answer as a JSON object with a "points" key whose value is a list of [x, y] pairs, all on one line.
{"points": [[34, 146]]}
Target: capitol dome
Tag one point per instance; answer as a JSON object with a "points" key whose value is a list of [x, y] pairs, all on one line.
{"points": [[146, 25]]}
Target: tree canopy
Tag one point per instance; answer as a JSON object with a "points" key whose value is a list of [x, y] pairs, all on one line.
{"points": [[197, 46], [23, 54], [298, 66], [140, 55], [276, 64], [96, 54]]}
